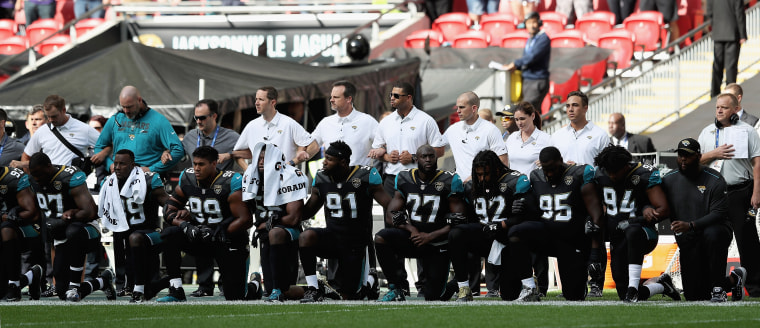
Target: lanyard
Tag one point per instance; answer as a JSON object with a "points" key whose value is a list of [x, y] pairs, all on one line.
{"points": [[200, 135], [3, 146], [717, 134]]}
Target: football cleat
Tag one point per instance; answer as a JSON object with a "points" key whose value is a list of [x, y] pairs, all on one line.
{"points": [[373, 291], [492, 293], [740, 276], [275, 296], [175, 295], [72, 295], [13, 294], [328, 291], [34, 285], [255, 291], [451, 289], [670, 290], [312, 295], [108, 288], [200, 292], [124, 291], [529, 294], [137, 297], [718, 295], [595, 291], [632, 295], [50, 292], [393, 295], [464, 295]]}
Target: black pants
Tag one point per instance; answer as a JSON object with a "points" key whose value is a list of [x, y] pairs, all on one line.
{"points": [[746, 235], [628, 247], [534, 92], [725, 56], [123, 279], [27, 240], [703, 261], [397, 246], [622, 9], [351, 258], [81, 238], [433, 8]]}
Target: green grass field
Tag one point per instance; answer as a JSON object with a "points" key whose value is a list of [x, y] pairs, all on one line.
{"points": [[94, 311]]}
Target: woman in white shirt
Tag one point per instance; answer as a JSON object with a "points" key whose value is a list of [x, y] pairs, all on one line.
{"points": [[524, 145]]}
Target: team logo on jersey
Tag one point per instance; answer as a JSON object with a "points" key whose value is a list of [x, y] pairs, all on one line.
{"points": [[218, 189], [356, 182], [131, 137], [279, 131], [503, 187], [438, 186], [412, 128], [57, 185], [589, 137], [635, 179], [700, 188], [569, 180], [477, 137], [3, 189], [354, 127]]}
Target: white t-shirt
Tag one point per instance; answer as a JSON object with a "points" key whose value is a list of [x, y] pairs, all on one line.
{"points": [[466, 141], [282, 131], [580, 146], [523, 155], [79, 134], [357, 130], [408, 133]]}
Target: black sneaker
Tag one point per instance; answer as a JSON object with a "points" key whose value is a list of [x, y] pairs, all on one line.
{"points": [[175, 295], [50, 292], [328, 291], [137, 297], [740, 276], [312, 295], [595, 291], [451, 289], [255, 292], [200, 292], [492, 293], [108, 288], [670, 290], [13, 294], [34, 285], [632, 296], [718, 295], [124, 291], [373, 291]]}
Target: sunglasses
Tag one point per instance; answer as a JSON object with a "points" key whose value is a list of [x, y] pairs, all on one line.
{"points": [[200, 118], [397, 95], [505, 119]]}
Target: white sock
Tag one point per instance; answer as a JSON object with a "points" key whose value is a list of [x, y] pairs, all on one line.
{"points": [[655, 288], [17, 283], [89, 283], [529, 282], [80, 269], [139, 288], [73, 284], [29, 275], [312, 281], [100, 280], [370, 280], [634, 275], [463, 284], [175, 282], [256, 283]]}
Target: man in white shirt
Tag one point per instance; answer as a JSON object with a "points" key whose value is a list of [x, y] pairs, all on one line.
{"points": [[400, 134], [349, 125], [279, 129], [471, 135], [581, 140], [82, 136]]}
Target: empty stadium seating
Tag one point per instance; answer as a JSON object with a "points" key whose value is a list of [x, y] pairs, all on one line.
{"points": [[41, 29], [496, 25], [13, 45], [452, 24], [52, 44], [472, 39], [594, 24], [648, 27], [621, 42], [516, 39]]}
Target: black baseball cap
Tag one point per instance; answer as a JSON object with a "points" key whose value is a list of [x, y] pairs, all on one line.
{"points": [[689, 145], [508, 111]]}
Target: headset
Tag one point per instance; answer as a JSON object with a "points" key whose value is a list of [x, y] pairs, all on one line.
{"points": [[140, 114], [534, 15], [733, 119]]}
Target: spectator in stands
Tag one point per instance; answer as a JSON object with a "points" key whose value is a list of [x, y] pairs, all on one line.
{"points": [[140, 129], [436, 8], [6, 9], [729, 32], [83, 6], [507, 117], [10, 148], [736, 90], [534, 63], [486, 114], [633, 142], [34, 120], [36, 9], [523, 8], [574, 9], [622, 9], [476, 9], [669, 10]]}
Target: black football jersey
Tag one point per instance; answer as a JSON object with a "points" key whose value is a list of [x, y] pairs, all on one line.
{"points": [[427, 202], [562, 204], [12, 180], [209, 205], [626, 199], [348, 204], [54, 197], [497, 205], [261, 212]]}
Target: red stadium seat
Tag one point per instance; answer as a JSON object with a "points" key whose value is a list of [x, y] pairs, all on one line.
{"points": [[647, 26], [8, 28], [553, 22], [594, 24], [417, 39], [13, 45], [54, 43], [472, 39], [516, 39], [568, 39], [559, 91], [88, 24], [41, 29], [452, 24], [496, 25], [621, 42]]}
